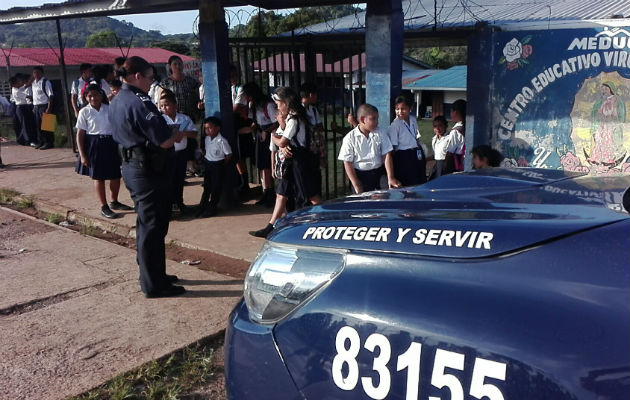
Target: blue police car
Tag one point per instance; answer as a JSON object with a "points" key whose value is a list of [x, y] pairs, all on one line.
{"points": [[495, 284]]}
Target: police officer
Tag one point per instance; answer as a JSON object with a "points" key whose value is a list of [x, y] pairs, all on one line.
{"points": [[146, 144]]}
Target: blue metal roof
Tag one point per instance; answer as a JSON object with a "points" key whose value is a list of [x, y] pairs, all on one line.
{"points": [[453, 78], [507, 14]]}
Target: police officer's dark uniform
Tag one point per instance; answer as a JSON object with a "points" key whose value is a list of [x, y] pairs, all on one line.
{"points": [[139, 129]]}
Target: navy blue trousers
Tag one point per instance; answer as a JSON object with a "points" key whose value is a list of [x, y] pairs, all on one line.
{"points": [[151, 193]]}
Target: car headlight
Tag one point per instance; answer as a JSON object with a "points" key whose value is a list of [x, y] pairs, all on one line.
{"points": [[283, 277]]}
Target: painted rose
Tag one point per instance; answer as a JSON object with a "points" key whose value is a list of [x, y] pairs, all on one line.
{"points": [[522, 162], [509, 163], [512, 65], [569, 161], [512, 50]]}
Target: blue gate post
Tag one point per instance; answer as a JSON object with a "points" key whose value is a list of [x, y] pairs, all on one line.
{"points": [[213, 34], [383, 48], [478, 84]]}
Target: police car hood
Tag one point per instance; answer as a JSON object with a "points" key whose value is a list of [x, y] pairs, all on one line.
{"points": [[467, 215]]}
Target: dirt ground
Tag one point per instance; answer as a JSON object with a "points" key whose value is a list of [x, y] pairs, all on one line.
{"points": [[13, 226]]}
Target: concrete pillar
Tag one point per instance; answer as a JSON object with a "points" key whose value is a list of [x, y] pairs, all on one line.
{"points": [[478, 83], [213, 33], [383, 47]]}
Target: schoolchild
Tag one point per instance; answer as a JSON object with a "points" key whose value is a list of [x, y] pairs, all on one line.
{"points": [[21, 96], [458, 133], [367, 154], [243, 119], [217, 154], [183, 123], [443, 148], [42, 103], [115, 87], [78, 85], [98, 153], [282, 175], [308, 93], [294, 143], [264, 111], [409, 156], [485, 156]]}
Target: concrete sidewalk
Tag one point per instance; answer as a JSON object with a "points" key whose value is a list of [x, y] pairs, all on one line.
{"points": [[71, 312], [49, 176]]}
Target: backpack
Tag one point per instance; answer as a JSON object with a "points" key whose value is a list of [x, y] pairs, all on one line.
{"points": [[318, 141]]}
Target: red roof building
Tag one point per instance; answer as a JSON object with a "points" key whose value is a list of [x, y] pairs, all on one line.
{"points": [[30, 57]]}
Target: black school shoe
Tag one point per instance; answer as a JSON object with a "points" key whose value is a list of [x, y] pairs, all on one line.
{"points": [[169, 291], [262, 233], [108, 213], [116, 205]]}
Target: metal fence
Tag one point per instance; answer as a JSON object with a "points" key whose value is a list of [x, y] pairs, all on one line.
{"points": [[337, 69]]}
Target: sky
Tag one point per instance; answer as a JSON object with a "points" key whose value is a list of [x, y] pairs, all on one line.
{"points": [[166, 23]]}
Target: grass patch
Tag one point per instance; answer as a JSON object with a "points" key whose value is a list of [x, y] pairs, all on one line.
{"points": [[169, 377], [7, 196], [54, 218], [24, 202], [89, 230]]}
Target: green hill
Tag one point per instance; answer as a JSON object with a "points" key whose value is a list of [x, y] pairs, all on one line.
{"points": [[75, 32]]}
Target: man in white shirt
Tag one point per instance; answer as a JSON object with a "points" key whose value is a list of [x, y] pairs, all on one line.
{"points": [[42, 103]]}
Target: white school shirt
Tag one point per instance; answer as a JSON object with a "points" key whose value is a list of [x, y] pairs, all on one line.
{"points": [[217, 148], [237, 95], [295, 130], [402, 135], [41, 93], [185, 124], [105, 86], [18, 95], [94, 122], [262, 119], [457, 139], [443, 145], [313, 115], [365, 153]]}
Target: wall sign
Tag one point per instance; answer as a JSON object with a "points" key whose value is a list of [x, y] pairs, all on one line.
{"points": [[561, 99]]}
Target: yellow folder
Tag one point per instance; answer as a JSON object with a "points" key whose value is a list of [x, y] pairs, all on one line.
{"points": [[49, 122]]}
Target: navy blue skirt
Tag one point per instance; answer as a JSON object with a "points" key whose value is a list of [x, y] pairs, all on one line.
{"points": [[102, 152]]}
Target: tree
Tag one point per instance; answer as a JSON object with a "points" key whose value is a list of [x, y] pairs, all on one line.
{"points": [[177, 47], [102, 39]]}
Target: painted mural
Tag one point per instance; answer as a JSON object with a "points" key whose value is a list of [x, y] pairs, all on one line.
{"points": [[561, 99]]}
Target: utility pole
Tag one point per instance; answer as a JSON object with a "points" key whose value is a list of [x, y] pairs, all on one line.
{"points": [[64, 89]]}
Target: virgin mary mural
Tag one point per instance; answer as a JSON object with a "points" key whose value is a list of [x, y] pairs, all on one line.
{"points": [[600, 130]]}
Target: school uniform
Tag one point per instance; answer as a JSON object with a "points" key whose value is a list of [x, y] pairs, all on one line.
{"points": [[458, 143], [409, 158], [283, 174], [448, 143], [183, 123], [42, 96], [367, 155], [216, 151], [99, 145], [27, 132], [77, 88], [265, 118], [303, 164]]}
